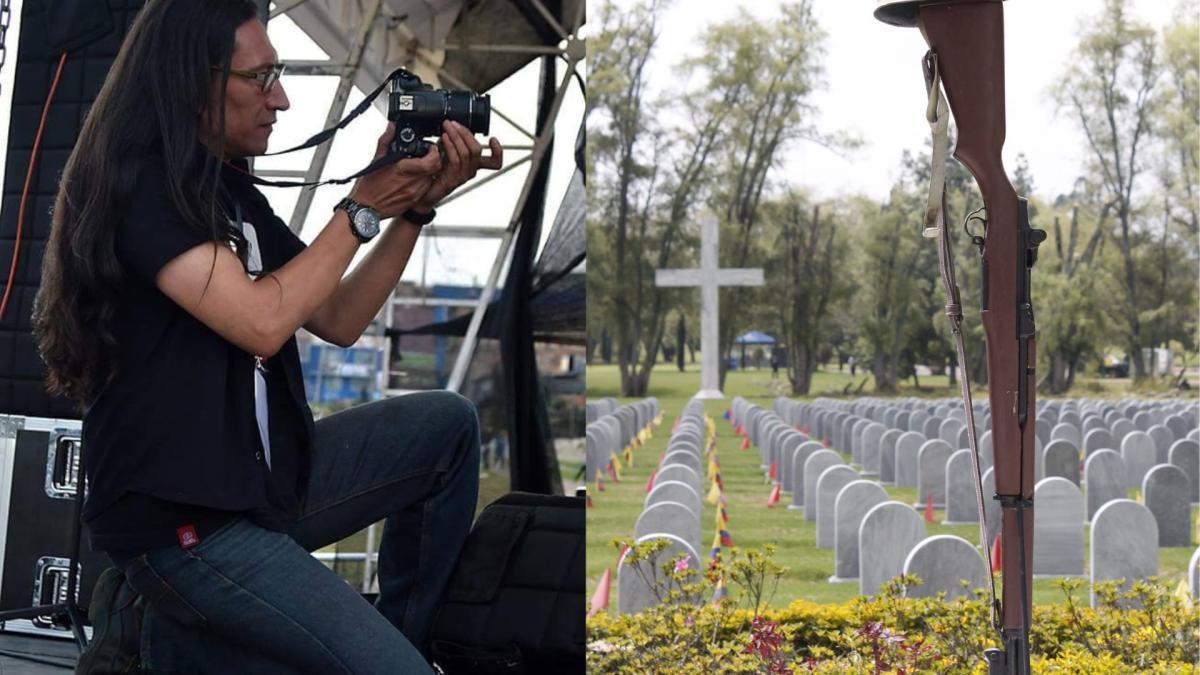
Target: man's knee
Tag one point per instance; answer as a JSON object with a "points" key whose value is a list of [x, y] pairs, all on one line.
{"points": [[452, 417]]}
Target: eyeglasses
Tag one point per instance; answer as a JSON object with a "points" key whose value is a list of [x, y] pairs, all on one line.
{"points": [[265, 78]]}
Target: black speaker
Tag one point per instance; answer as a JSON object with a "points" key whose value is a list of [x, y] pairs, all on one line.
{"points": [[40, 469]]}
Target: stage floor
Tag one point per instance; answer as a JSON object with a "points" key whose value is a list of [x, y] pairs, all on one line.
{"points": [[49, 652]]}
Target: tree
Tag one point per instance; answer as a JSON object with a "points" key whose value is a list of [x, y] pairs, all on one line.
{"points": [[760, 75], [1110, 88], [1179, 128], [890, 255], [1066, 286], [805, 278], [681, 341], [623, 182]]}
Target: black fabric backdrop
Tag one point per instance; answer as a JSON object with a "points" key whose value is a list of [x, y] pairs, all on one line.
{"points": [[91, 32]]}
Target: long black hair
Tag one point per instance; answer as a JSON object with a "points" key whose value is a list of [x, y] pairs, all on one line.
{"points": [[159, 86]]}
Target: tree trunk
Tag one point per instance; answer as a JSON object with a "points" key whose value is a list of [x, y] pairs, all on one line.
{"points": [[1059, 375]]}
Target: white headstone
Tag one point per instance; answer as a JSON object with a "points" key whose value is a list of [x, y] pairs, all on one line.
{"points": [[1058, 516], [943, 562], [887, 533], [852, 503], [1124, 541], [1104, 471]]}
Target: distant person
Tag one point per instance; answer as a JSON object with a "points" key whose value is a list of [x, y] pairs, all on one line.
{"points": [[170, 297], [774, 364], [853, 364], [485, 457], [502, 450]]}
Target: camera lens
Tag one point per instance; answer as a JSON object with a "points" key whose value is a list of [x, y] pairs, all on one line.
{"points": [[473, 112]]}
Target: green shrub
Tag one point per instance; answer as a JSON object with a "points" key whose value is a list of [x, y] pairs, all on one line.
{"points": [[1144, 629]]}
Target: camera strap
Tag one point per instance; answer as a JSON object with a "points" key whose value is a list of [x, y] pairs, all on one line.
{"points": [[327, 135]]}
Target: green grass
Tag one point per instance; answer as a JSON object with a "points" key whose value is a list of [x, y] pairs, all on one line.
{"points": [[751, 523]]}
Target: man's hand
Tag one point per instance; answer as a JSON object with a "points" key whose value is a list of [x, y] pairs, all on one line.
{"points": [[462, 159], [392, 190]]}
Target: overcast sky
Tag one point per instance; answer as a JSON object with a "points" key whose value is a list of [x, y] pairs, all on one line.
{"points": [[454, 261], [875, 91]]}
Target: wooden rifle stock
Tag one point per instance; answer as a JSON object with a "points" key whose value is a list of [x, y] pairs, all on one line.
{"points": [[968, 38]]}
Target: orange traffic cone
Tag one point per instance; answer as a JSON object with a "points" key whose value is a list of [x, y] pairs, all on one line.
{"points": [[600, 597], [929, 507], [774, 498], [997, 555]]}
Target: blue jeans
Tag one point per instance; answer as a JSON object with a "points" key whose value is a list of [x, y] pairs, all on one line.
{"points": [[251, 600]]}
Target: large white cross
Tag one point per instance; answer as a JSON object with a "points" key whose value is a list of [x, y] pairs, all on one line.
{"points": [[709, 277]]}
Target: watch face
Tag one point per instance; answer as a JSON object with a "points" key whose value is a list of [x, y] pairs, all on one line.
{"points": [[366, 221]]}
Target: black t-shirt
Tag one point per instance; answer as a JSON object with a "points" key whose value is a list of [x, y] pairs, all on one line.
{"points": [[173, 440]]}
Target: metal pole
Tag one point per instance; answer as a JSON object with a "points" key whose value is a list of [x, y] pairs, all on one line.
{"points": [[336, 109], [467, 350]]}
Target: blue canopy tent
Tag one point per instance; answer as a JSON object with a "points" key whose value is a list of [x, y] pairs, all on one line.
{"points": [[753, 337]]}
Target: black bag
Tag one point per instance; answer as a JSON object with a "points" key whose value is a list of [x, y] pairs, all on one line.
{"points": [[116, 614], [515, 603]]}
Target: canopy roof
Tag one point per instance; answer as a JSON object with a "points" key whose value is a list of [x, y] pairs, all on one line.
{"points": [[448, 43], [754, 338]]}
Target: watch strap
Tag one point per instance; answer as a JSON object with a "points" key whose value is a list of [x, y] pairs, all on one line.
{"points": [[419, 219]]}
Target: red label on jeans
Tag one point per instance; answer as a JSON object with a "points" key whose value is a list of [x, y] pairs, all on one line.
{"points": [[187, 536]]}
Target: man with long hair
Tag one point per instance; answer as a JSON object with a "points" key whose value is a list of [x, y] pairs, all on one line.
{"points": [[168, 307]]}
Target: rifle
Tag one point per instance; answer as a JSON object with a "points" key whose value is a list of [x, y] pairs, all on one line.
{"points": [[966, 55]]}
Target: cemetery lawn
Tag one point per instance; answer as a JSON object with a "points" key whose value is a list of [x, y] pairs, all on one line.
{"points": [[751, 523]]}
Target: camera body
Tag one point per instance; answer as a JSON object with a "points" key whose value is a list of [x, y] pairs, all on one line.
{"points": [[418, 110]]}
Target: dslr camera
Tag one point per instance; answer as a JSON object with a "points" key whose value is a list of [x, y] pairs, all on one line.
{"points": [[418, 111]]}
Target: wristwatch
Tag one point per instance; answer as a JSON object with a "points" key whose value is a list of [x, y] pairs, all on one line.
{"points": [[364, 220]]}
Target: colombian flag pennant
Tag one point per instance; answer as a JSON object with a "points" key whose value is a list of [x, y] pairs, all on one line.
{"points": [[726, 538], [722, 519], [728, 414], [720, 483], [629, 456], [601, 596], [1184, 593], [600, 482], [745, 443], [650, 482], [774, 472], [721, 592], [590, 503], [804, 429], [774, 498], [714, 494], [716, 546], [616, 467]]}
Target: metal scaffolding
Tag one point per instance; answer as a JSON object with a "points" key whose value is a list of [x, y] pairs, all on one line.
{"points": [[417, 51]]}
